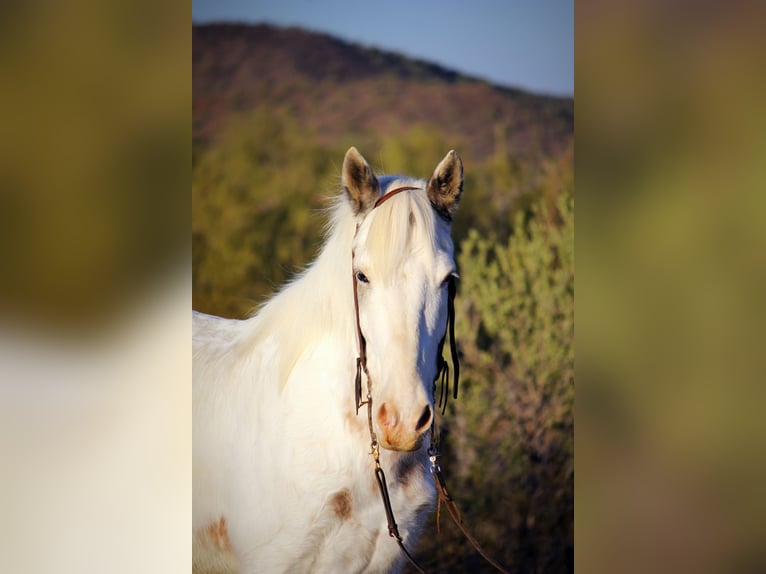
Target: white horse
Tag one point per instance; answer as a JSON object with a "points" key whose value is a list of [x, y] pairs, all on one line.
{"points": [[283, 476]]}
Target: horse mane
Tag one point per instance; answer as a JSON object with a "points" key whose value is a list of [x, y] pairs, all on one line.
{"points": [[398, 226], [291, 322]]}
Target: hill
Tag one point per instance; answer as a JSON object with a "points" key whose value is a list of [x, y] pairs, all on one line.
{"points": [[338, 89]]}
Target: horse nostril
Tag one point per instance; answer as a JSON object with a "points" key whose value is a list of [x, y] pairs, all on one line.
{"points": [[387, 417], [424, 419]]}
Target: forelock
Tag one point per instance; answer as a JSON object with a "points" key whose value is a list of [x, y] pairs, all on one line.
{"points": [[398, 228]]}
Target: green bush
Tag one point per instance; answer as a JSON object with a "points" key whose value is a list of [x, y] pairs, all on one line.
{"points": [[256, 198], [509, 453]]}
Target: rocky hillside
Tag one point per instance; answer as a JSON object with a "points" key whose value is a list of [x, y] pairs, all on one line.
{"points": [[338, 89]]}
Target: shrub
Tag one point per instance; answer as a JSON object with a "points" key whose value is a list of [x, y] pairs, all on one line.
{"points": [[509, 461], [256, 198]]}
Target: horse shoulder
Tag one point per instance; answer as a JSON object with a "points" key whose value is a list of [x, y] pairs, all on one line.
{"points": [[215, 405]]}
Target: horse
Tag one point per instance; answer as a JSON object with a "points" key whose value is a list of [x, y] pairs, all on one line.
{"points": [[283, 477]]}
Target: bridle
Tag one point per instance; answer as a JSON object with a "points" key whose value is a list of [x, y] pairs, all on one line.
{"points": [[442, 372]]}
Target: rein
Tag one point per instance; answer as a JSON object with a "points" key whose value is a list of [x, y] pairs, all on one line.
{"points": [[442, 372]]}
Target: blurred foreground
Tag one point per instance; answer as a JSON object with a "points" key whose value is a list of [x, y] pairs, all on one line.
{"points": [[96, 446], [95, 362]]}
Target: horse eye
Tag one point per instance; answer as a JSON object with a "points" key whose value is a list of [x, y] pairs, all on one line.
{"points": [[361, 277]]}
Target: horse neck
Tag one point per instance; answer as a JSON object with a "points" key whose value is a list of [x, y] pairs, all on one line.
{"points": [[325, 288]]}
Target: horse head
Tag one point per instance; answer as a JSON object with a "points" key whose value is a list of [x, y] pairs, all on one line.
{"points": [[403, 263]]}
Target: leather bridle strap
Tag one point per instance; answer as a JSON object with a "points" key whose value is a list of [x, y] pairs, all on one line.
{"points": [[361, 360], [442, 367], [384, 198], [454, 511]]}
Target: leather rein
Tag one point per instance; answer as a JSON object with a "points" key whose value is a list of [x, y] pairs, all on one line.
{"points": [[442, 372]]}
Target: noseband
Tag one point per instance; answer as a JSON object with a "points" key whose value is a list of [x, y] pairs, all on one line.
{"points": [[442, 367]]}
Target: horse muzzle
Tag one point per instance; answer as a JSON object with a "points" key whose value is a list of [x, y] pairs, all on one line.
{"points": [[402, 432]]}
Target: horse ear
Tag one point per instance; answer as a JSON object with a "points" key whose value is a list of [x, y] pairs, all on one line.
{"points": [[446, 185], [360, 184]]}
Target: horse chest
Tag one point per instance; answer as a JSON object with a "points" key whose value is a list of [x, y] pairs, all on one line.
{"points": [[327, 514], [355, 535]]}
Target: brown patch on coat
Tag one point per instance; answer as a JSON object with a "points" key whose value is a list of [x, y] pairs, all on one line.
{"points": [[215, 535], [341, 504]]}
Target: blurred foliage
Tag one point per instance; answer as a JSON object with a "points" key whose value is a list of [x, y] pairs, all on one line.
{"points": [[671, 139], [508, 452], [254, 220], [93, 160]]}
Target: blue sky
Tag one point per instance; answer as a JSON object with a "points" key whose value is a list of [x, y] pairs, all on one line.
{"points": [[517, 43]]}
